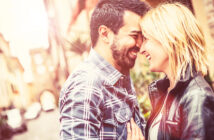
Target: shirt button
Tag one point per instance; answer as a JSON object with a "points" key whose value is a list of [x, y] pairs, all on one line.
{"points": [[122, 78]]}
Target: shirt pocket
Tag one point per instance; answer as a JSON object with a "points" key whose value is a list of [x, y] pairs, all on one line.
{"points": [[123, 115]]}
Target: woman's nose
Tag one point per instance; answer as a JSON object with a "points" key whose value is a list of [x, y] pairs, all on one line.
{"points": [[142, 49]]}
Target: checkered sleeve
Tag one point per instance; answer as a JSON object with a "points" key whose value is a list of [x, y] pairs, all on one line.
{"points": [[80, 111]]}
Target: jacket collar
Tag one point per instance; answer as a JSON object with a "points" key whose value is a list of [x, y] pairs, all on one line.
{"points": [[159, 88], [184, 81]]}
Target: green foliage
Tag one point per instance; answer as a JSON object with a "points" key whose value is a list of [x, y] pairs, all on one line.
{"points": [[78, 46], [142, 77]]}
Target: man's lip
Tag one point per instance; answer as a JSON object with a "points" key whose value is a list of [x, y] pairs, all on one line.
{"points": [[136, 49], [133, 52]]}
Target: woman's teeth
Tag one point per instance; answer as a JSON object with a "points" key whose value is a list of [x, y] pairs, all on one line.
{"points": [[148, 57]]}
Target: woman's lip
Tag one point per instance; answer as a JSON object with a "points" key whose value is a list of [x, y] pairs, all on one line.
{"points": [[148, 57]]}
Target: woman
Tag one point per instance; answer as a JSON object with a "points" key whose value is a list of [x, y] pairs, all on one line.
{"points": [[182, 102]]}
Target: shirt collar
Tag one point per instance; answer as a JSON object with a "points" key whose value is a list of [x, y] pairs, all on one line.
{"points": [[111, 74]]}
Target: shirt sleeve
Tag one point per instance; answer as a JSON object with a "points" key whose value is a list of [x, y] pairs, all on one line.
{"points": [[80, 111]]}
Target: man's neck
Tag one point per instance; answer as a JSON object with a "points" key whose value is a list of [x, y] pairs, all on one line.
{"points": [[106, 53], [124, 71]]}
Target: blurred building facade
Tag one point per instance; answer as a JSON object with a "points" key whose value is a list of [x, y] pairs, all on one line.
{"points": [[13, 89], [204, 12], [5, 85], [44, 73]]}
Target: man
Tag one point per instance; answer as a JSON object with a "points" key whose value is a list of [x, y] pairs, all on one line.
{"points": [[98, 99]]}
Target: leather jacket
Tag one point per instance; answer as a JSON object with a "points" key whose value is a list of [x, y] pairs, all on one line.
{"points": [[189, 110]]}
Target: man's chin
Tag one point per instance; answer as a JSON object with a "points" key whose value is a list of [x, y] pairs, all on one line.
{"points": [[127, 64], [130, 65]]}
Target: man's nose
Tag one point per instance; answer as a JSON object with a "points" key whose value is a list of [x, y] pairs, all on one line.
{"points": [[139, 42]]}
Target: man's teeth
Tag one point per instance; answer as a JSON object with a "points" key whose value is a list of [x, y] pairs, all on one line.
{"points": [[133, 53]]}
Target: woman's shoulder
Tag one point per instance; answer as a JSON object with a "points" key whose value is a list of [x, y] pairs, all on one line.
{"points": [[200, 86], [198, 92]]}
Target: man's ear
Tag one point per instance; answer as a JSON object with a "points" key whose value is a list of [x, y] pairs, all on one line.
{"points": [[105, 34]]}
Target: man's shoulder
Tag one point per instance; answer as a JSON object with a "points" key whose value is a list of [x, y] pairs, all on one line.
{"points": [[87, 71], [84, 74], [83, 79]]}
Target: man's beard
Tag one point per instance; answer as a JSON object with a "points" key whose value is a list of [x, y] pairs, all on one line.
{"points": [[121, 56]]}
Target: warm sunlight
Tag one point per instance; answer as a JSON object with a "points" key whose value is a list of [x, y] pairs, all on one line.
{"points": [[45, 85], [24, 24]]}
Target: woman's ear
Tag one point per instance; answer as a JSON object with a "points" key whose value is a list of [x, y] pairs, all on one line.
{"points": [[105, 34]]}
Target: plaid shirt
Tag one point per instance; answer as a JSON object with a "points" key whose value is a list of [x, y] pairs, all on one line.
{"points": [[97, 101]]}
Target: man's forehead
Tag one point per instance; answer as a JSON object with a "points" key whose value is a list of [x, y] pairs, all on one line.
{"points": [[128, 13], [131, 19], [131, 28]]}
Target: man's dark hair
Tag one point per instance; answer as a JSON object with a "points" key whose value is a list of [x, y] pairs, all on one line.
{"points": [[110, 13]]}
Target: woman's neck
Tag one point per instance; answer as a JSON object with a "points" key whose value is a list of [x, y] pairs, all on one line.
{"points": [[171, 81], [171, 86]]}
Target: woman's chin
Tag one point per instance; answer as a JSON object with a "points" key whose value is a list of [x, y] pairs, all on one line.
{"points": [[153, 69]]}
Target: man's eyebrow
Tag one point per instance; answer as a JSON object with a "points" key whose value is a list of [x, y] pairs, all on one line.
{"points": [[136, 32]]}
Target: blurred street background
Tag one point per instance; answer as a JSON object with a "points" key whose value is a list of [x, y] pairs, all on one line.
{"points": [[41, 42], [45, 127]]}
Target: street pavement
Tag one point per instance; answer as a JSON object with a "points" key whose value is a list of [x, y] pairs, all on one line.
{"points": [[45, 127]]}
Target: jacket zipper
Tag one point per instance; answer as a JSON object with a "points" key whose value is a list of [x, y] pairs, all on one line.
{"points": [[153, 116]]}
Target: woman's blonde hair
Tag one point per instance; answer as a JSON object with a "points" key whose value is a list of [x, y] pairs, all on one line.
{"points": [[175, 27]]}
